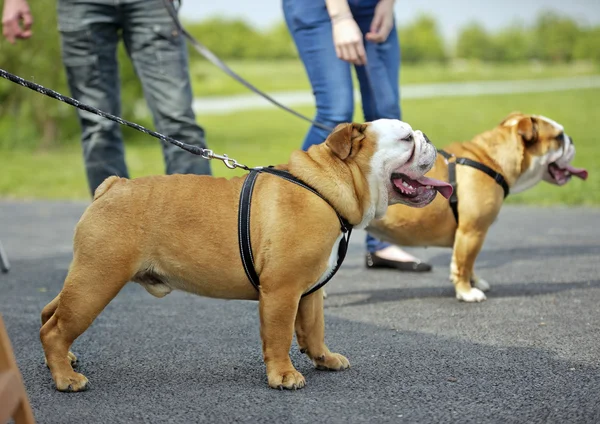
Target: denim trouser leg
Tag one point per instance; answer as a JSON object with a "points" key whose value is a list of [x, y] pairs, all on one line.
{"points": [[330, 77], [159, 54], [89, 36], [89, 41]]}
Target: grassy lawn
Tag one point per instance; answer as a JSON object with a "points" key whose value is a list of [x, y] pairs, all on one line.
{"points": [[290, 75], [267, 136]]}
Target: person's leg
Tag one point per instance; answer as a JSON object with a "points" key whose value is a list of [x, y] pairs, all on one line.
{"points": [[330, 77], [159, 55], [380, 96], [89, 41]]}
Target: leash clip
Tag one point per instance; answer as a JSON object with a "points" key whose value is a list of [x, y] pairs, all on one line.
{"points": [[229, 162]]}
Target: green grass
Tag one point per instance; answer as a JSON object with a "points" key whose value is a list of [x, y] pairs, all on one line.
{"points": [[267, 137], [208, 80]]}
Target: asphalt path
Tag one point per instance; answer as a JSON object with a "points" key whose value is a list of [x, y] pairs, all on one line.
{"points": [[530, 354]]}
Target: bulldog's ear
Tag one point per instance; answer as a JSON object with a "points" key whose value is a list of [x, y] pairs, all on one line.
{"points": [[341, 139], [511, 116], [526, 128]]}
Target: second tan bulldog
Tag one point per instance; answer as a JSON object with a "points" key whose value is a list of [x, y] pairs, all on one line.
{"points": [[523, 150], [180, 232]]}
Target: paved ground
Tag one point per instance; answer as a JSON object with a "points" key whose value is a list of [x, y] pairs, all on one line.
{"points": [[530, 354], [228, 104]]}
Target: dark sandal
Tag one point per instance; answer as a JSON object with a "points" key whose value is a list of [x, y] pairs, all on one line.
{"points": [[373, 262]]}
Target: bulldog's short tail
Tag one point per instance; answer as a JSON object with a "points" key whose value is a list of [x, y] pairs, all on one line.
{"points": [[106, 184]]}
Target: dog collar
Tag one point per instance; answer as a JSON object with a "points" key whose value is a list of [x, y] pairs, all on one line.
{"points": [[244, 226], [498, 177]]}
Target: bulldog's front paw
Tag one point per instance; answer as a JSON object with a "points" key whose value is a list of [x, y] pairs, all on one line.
{"points": [[480, 284], [332, 362], [472, 295], [73, 382], [290, 379]]}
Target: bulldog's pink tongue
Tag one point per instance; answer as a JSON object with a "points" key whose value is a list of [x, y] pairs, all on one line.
{"points": [[442, 187], [578, 172]]}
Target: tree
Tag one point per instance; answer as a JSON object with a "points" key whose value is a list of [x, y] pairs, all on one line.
{"points": [[34, 120], [421, 41], [588, 45], [556, 37], [278, 43], [513, 44], [475, 43], [30, 116]]}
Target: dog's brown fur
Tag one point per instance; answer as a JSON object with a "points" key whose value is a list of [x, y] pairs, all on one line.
{"points": [[181, 232], [508, 149]]}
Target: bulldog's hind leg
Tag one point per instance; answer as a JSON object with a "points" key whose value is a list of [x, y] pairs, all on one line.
{"points": [[467, 245], [278, 311], [47, 313], [310, 332], [88, 288]]}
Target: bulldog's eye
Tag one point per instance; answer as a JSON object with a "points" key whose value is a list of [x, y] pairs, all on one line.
{"points": [[408, 137], [561, 137]]}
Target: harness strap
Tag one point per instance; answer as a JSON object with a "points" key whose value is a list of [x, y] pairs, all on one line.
{"points": [[499, 178], [244, 226], [453, 197]]}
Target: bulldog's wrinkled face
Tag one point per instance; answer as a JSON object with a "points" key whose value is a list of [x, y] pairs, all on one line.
{"points": [[549, 152], [393, 159], [402, 158]]}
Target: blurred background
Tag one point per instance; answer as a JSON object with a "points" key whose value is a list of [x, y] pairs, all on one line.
{"points": [[465, 66]]}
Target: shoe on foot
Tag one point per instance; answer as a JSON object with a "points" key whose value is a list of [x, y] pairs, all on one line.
{"points": [[373, 261]]}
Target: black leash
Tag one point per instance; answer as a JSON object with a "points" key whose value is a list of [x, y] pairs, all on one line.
{"points": [[214, 59], [244, 226], [499, 178]]}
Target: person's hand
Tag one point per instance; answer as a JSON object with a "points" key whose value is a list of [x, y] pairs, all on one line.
{"points": [[348, 40], [16, 20], [383, 22]]}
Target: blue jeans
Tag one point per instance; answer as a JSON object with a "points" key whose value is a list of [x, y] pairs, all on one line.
{"points": [[90, 32], [331, 78]]}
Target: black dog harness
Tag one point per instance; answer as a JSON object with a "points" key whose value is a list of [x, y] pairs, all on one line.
{"points": [[244, 226], [499, 178]]}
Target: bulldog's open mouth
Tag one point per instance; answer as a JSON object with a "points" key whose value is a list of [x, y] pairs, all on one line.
{"points": [[419, 188], [561, 176]]}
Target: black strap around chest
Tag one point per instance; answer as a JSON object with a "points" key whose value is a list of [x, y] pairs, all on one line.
{"points": [[244, 226], [499, 178]]}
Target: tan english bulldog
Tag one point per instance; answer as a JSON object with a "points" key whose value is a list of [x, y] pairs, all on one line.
{"points": [[180, 232], [524, 149]]}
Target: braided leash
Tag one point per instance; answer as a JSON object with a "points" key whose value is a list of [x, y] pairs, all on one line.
{"points": [[205, 153]]}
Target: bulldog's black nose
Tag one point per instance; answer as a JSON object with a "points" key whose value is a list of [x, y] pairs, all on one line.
{"points": [[426, 138]]}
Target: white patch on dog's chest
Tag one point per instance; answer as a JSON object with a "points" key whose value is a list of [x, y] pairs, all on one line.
{"points": [[332, 261]]}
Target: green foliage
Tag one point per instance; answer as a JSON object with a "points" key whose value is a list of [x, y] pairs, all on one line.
{"points": [[421, 41], [29, 120], [513, 44], [555, 37], [235, 39], [552, 39], [475, 43], [588, 45]]}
